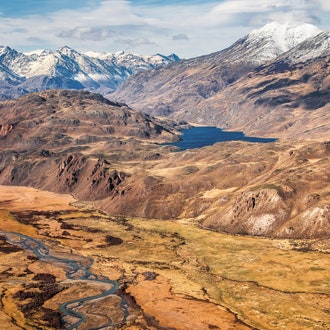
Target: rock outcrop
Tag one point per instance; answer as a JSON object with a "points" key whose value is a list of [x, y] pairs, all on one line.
{"points": [[85, 178], [5, 129]]}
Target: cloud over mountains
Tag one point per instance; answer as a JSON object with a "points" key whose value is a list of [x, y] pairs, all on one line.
{"points": [[188, 28]]}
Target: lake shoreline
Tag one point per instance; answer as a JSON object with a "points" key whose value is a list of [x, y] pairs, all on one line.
{"points": [[202, 136]]}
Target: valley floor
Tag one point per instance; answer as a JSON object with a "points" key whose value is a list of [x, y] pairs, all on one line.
{"points": [[172, 274]]}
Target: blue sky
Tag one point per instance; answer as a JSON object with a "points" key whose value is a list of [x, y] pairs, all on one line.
{"points": [[187, 28]]}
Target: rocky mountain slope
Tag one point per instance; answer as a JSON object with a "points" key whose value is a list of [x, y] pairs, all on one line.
{"points": [[65, 68], [80, 143], [184, 85], [288, 97], [278, 189], [61, 139]]}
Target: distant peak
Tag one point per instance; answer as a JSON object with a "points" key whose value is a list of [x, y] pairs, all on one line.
{"points": [[7, 49], [287, 27], [284, 36], [66, 50], [174, 57], [35, 52]]}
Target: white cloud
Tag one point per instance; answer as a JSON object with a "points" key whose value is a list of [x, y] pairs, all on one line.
{"points": [[325, 4], [180, 36], [119, 24], [87, 33]]}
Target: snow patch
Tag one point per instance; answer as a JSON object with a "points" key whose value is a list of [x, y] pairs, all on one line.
{"points": [[35, 52]]}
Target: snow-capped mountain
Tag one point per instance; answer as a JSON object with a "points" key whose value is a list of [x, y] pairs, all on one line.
{"points": [[134, 63], [65, 67], [269, 42], [186, 84], [195, 79]]}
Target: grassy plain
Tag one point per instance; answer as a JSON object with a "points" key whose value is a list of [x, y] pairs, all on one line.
{"points": [[179, 275]]}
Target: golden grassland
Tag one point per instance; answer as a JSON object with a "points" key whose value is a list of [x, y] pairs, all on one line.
{"points": [[180, 275]]}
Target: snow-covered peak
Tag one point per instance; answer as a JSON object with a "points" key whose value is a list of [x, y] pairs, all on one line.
{"points": [[66, 50], [285, 36], [7, 51], [134, 62], [272, 40], [101, 72], [35, 52]]}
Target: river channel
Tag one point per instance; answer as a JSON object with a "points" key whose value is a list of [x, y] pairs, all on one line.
{"points": [[77, 268]]}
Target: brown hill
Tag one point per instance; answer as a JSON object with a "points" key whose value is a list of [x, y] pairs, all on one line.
{"points": [[58, 140], [73, 119], [181, 86], [79, 143], [278, 189]]}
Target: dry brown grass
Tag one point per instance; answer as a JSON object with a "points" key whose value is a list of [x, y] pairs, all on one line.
{"points": [[203, 278]]}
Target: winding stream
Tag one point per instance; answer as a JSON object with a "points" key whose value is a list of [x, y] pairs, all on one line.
{"points": [[76, 268]]}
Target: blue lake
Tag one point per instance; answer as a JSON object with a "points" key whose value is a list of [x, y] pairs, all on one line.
{"points": [[198, 137]]}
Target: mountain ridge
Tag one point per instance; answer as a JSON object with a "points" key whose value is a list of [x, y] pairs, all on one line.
{"points": [[217, 89], [99, 73]]}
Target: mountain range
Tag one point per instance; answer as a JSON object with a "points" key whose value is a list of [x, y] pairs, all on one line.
{"points": [[258, 85], [264, 84], [169, 227], [66, 68]]}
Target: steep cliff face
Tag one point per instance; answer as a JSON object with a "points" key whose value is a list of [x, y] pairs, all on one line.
{"points": [[87, 179], [266, 213], [255, 213]]}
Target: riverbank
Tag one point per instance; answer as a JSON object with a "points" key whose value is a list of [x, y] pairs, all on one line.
{"points": [[179, 275]]}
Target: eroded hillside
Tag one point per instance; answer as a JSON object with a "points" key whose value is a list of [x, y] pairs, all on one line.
{"points": [[278, 189], [80, 143], [285, 99]]}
